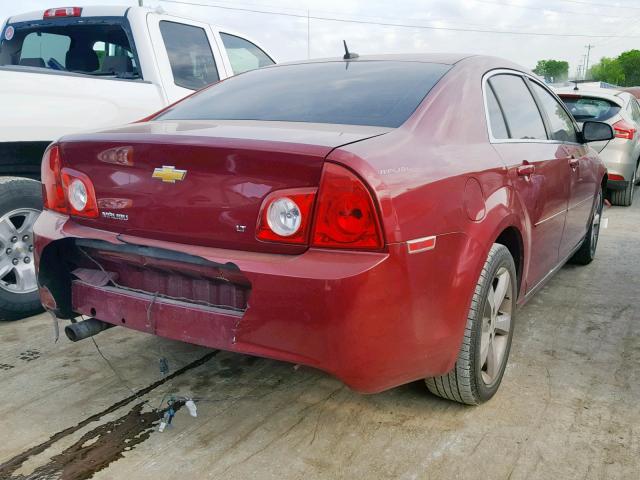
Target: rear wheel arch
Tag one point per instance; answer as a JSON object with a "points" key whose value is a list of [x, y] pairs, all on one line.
{"points": [[511, 238], [506, 227]]}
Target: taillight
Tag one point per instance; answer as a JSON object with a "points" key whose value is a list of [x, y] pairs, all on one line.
{"points": [[622, 129], [345, 216], [81, 197], [51, 176], [63, 12], [285, 216], [66, 190], [616, 177]]}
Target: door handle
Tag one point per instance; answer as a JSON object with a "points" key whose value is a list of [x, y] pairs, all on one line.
{"points": [[526, 169], [574, 162]]}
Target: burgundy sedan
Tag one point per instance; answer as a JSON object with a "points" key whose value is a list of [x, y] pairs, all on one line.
{"points": [[378, 218]]}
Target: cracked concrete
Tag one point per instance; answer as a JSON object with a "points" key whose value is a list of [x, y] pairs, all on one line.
{"points": [[568, 407]]}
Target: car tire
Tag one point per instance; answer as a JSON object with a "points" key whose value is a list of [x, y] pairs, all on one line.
{"points": [[20, 205], [587, 251], [624, 198], [486, 343]]}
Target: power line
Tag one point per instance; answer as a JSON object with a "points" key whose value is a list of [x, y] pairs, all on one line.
{"points": [[593, 4], [544, 9], [402, 25]]}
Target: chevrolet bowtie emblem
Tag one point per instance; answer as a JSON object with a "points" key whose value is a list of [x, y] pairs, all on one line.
{"points": [[169, 174]]}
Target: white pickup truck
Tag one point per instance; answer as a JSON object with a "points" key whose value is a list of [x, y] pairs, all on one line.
{"points": [[65, 70]]}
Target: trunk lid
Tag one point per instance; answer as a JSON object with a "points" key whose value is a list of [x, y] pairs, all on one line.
{"points": [[201, 182]]}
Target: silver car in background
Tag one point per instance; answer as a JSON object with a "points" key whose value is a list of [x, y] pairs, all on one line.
{"points": [[621, 155]]}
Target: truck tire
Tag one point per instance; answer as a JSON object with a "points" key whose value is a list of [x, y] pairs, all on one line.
{"points": [[20, 205], [624, 198], [486, 343]]}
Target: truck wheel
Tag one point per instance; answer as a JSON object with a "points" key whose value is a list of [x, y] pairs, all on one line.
{"points": [[587, 251], [624, 198], [482, 359], [20, 205]]}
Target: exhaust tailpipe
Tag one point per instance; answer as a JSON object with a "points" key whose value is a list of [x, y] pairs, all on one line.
{"points": [[85, 329]]}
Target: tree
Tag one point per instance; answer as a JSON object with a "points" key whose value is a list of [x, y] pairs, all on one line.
{"points": [[630, 63], [552, 70], [608, 70]]}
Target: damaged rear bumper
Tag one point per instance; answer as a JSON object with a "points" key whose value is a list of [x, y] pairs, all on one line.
{"points": [[352, 314]]}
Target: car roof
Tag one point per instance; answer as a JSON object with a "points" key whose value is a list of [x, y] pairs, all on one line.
{"points": [[613, 95], [635, 91], [482, 61], [442, 58]]}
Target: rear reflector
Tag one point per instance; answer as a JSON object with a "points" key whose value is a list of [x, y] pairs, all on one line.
{"points": [[421, 244], [62, 12], [46, 298], [622, 129]]}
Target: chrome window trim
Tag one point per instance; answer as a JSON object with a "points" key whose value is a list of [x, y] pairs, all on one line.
{"points": [[523, 75]]}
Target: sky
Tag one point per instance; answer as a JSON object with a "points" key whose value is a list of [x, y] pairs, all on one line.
{"points": [[285, 36]]}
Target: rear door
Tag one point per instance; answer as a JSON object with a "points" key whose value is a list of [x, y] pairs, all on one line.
{"points": [[538, 167], [187, 54], [582, 170]]}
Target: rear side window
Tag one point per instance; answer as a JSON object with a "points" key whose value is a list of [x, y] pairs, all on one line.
{"points": [[375, 93], [498, 127], [635, 110], [244, 55], [561, 124], [520, 110], [190, 55], [590, 108]]}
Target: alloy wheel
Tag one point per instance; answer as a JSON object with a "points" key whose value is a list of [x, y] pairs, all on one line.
{"points": [[17, 270], [496, 324]]}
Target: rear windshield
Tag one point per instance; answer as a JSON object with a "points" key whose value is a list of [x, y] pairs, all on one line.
{"points": [[96, 46], [588, 108], [375, 93]]}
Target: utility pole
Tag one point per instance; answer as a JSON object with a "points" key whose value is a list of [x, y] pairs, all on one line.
{"points": [[586, 68], [579, 73]]}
